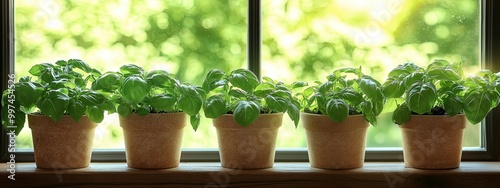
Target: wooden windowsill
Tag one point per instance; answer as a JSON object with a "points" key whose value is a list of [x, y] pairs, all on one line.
{"points": [[373, 174]]}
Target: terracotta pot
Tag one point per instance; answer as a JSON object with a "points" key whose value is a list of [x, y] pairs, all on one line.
{"points": [[335, 145], [433, 141], [62, 145], [250, 147], [153, 141]]}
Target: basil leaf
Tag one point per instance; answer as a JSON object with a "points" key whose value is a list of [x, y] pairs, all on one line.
{"points": [[453, 105], [91, 98], [298, 84], [107, 82], [163, 102], [401, 115], [403, 70], [131, 69], [476, 106], [294, 111], [212, 79], [80, 65], [190, 104], [371, 88], [76, 110], [337, 110], [244, 79], [393, 88], [214, 107], [195, 121], [351, 96], [246, 112], [95, 114], [124, 109], [54, 104], [134, 89], [276, 103], [421, 97]]}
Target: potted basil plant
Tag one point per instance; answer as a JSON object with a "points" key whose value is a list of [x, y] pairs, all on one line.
{"points": [[153, 108], [247, 114], [336, 115], [435, 103], [62, 112]]}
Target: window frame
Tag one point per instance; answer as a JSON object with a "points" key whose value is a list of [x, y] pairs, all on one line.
{"points": [[490, 144]]}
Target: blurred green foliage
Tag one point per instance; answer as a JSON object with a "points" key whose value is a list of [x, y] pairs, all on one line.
{"points": [[302, 40]]}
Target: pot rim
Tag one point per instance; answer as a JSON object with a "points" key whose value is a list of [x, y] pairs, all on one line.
{"points": [[444, 122]]}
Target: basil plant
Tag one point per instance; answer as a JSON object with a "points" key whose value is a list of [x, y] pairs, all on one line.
{"points": [[134, 90], [442, 89], [54, 90], [241, 93], [346, 92]]}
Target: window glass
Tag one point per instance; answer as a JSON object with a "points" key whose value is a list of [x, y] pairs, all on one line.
{"points": [[308, 39], [187, 38]]}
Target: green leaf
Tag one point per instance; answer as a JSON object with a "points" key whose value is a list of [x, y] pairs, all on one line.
{"points": [[134, 89], [107, 82], [190, 104], [276, 103], [246, 112], [298, 84], [325, 88], [453, 105], [351, 96], [413, 78], [124, 109], [442, 70], [476, 106], [475, 81], [368, 112], [164, 102], [27, 93], [371, 88], [308, 92], [244, 79], [54, 104], [76, 110], [131, 69], [294, 111], [404, 69], [238, 93], [264, 89], [37, 70], [421, 97], [495, 98], [212, 80], [108, 106], [214, 106], [195, 121], [142, 110], [80, 82], [393, 88], [48, 75], [337, 110], [95, 114], [391, 104], [91, 98], [401, 115], [160, 79], [268, 80], [80, 65]]}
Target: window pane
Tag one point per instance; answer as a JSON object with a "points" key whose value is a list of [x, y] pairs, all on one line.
{"points": [[308, 39], [187, 38]]}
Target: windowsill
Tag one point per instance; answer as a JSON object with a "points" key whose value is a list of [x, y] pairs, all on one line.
{"points": [[373, 174]]}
